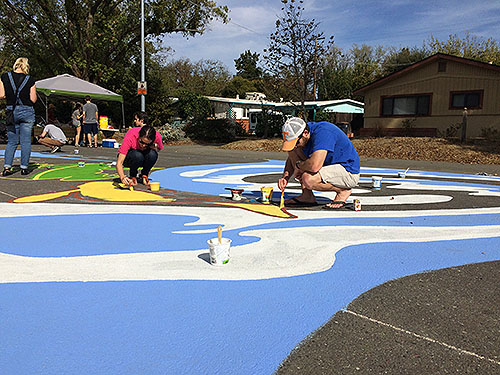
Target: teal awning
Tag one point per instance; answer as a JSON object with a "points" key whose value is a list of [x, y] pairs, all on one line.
{"points": [[343, 108]]}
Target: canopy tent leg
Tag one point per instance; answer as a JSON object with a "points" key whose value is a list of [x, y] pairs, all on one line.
{"points": [[45, 105], [123, 118]]}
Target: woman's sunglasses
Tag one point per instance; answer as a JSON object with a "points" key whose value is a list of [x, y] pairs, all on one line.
{"points": [[145, 143]]}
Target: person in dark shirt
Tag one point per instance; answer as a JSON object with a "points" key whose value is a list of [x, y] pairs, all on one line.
{"points": [[90, 118], [19, 132]]}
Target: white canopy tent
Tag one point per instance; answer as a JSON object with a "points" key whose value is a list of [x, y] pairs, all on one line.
{"points": [[68, 86]]}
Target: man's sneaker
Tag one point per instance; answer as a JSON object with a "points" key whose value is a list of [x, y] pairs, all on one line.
{"points": [[55, 149]]}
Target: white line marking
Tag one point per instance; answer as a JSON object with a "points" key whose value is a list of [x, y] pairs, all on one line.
{"points": [[462, 351], [3, 192]]}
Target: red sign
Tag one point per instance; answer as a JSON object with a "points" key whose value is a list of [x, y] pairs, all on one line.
{"points": [[142, 88]]}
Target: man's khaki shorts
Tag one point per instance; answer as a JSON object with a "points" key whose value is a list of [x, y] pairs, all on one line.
{"points": [[337, 176]]}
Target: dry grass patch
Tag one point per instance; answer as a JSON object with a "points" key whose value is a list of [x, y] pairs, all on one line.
{"points": [[405, 148]]}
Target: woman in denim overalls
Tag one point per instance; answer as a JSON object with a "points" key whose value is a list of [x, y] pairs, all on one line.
{"points": [[24, 114]]}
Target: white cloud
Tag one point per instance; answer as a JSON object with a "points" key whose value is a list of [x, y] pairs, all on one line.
{"points": [[248, 29]]}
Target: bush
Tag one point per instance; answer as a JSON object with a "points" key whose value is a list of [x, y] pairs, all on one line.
{"points": [[451, 131], [490, 133], [407, 125], [193, 106], [325, 116], [171, 133], [269, 125], [213, 130]]}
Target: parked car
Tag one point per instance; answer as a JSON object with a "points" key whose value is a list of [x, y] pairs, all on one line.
{"points": [[346, 128]]}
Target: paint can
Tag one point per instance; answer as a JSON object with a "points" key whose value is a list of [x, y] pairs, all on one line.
{"points": [[357, 204], [81, 164], [267, 194], [76, 151], [236, 194], [154, 186], [402, 174], [376, 182], [219, 252]]}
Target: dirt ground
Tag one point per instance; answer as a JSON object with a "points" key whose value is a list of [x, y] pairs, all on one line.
{"points": [[405, 148]]}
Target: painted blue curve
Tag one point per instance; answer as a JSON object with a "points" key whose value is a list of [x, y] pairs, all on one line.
{"points": [[199, 327], [173, 178], [194, 327], [86, 235]]}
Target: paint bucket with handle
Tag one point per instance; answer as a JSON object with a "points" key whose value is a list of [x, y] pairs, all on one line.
{"points": [[376, 182], [403, 174], [236, 194], [219, 249]]}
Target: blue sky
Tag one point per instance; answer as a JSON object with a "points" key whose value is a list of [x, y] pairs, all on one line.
{"points": [[398, 23]]}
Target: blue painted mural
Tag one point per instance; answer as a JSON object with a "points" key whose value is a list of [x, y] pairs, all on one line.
{"points": [[120, 313]]}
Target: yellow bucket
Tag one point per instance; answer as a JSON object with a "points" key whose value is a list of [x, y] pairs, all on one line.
{"points": [[154, 186], [267, 194], [103, 122]]}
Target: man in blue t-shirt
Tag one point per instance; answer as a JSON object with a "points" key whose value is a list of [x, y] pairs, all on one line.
{"points": [[322, 158]]}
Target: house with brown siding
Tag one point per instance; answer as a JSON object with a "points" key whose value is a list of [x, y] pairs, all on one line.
{"points": [[431, 96]]}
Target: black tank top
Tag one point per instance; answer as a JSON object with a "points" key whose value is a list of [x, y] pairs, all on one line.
{"points": [[24, 95]]}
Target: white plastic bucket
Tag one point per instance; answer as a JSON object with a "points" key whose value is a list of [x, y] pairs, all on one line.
{"points": [[219, 252], [402, 174], [236, 194], [376, 182]]}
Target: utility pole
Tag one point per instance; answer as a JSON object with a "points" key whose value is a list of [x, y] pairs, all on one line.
{"points": [[315, 66], [143, 68], [315, 63]]}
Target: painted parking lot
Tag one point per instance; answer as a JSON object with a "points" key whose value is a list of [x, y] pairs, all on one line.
{"points": [[101, 288]]}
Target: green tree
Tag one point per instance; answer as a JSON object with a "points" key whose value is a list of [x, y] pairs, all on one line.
{"points": [[93, 38], [335, 76], [294, 50], [366, 64], [238, 86], [469, 47], [193, 106], [342, 73], [398, 59], [205, 77], [246, 66]]}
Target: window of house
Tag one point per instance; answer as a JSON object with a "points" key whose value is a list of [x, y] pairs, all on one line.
{"points": [[469, 99], [414, 105]]}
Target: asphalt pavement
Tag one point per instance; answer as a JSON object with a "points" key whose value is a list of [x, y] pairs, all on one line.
{"points": [[440, 322]]}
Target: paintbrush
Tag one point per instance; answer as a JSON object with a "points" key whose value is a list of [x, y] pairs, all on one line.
{"points": [[219, 234], [282, 200], [134, 181]]}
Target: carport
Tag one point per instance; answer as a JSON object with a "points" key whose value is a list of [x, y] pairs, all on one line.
{"points": [[68, 86]]}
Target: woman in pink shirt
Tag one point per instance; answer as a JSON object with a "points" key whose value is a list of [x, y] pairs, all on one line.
{"points": [[139, 150]]}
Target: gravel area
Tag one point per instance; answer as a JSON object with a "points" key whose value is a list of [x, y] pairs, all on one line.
{"points": [[478, 151]]}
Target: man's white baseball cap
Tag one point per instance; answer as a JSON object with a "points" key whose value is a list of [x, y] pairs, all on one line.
{"points": [[292, 129]]}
